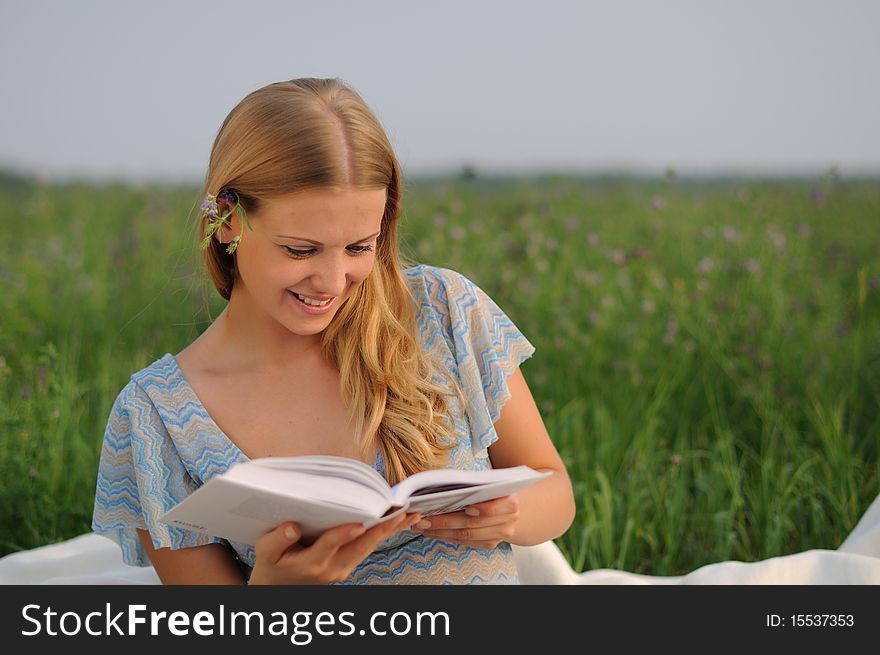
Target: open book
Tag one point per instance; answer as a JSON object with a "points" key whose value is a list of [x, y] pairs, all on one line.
{"points": [[322, 491]]}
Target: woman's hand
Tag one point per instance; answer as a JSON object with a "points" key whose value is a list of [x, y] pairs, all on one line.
{"points": [[331, 558], [483, 525]]}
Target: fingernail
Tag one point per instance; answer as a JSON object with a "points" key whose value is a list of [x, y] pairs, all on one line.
{"points": [[423, 524], [472, 511], [289, 532]]}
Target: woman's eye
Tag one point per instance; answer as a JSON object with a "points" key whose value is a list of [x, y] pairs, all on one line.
{"points": [[293, 252], [299, 254]]}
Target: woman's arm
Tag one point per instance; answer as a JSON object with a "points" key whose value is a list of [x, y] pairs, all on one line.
{"points": [[199, 565], [541, 511], [546, 508]]}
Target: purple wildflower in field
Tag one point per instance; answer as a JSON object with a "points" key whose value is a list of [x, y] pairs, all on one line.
{"points": [[707, 232], [648, 305], [527, 285], [752, 265], [776, 236], [818, 197], [593, 239], [572, 222], [458, 233], [590, 278], [658, 202], [804, 230], [547, 406], [551, 244], [659, 281], [594, 318], [730, 234], [640, 252], [723, 305], [705, 265], [440, 219], [671, 331], [618, 257]]}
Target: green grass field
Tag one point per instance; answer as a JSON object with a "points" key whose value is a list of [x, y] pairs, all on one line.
{"points": [[708, 352]]}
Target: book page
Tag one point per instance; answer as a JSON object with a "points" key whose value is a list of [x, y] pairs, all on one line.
{"points": [[435, 480], [326, 465], [243, 513], [315, 486]]}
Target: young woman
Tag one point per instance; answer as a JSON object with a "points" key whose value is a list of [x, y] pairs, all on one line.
{"points": [[329, 344]]}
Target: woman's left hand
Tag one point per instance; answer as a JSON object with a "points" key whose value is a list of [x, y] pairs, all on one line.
{"points": [[482, 525]]}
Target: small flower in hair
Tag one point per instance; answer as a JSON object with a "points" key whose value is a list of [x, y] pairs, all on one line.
{"points": [[210, 210]]}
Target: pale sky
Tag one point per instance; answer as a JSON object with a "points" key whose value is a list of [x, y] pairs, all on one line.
{"points": [[118, 89]]}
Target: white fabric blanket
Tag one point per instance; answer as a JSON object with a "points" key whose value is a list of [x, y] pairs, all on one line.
{"points": [[93, 559]]}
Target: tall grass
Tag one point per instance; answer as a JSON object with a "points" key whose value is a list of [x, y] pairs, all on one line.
{"points": [[708, 353]]}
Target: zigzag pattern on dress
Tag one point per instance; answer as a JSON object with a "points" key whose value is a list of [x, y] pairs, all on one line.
{"points": [[160, 443]]}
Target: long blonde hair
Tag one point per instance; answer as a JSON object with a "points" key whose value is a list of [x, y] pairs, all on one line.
{"points": [[319, 133]]}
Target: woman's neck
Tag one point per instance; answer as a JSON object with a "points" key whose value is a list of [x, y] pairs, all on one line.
{"points": [[248, 342]]}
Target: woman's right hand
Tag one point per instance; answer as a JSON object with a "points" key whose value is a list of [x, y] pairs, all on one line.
{"points": [[331, 558]]}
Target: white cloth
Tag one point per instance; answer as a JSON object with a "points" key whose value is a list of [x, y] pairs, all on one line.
{"points": [[93, 559]]}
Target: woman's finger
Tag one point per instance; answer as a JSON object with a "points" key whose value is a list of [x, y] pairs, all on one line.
{"points": [[459, 520], [331, 540], [501, 531], [354, 552], [495, 507], [272, 545]]}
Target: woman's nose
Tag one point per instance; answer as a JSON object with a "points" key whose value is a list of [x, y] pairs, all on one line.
{"points": [[330, 275]]}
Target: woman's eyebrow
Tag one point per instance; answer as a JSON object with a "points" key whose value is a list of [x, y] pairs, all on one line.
{"points": [[318, 243]]}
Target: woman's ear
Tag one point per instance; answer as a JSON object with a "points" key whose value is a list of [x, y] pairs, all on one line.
{"points": [[225, 233]]}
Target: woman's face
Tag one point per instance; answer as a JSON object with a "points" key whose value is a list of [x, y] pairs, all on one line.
{"points": [[316, 243]]}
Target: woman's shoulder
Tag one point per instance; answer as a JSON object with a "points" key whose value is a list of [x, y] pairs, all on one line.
{"points": [[151, 384], [428, 272], [160, 370], [437, 285]]}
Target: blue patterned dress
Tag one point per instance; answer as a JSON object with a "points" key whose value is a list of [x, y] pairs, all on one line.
{"points": [[160, 443]]}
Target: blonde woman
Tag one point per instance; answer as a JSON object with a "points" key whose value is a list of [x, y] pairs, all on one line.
{"points": [[329, 344]]}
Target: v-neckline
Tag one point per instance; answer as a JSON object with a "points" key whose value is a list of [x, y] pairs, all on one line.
{"points": [[378, 463], [241, 455]]}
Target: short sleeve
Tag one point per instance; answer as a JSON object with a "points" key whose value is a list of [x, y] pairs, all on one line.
{"points": [[487, 348], [140, 477]]}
